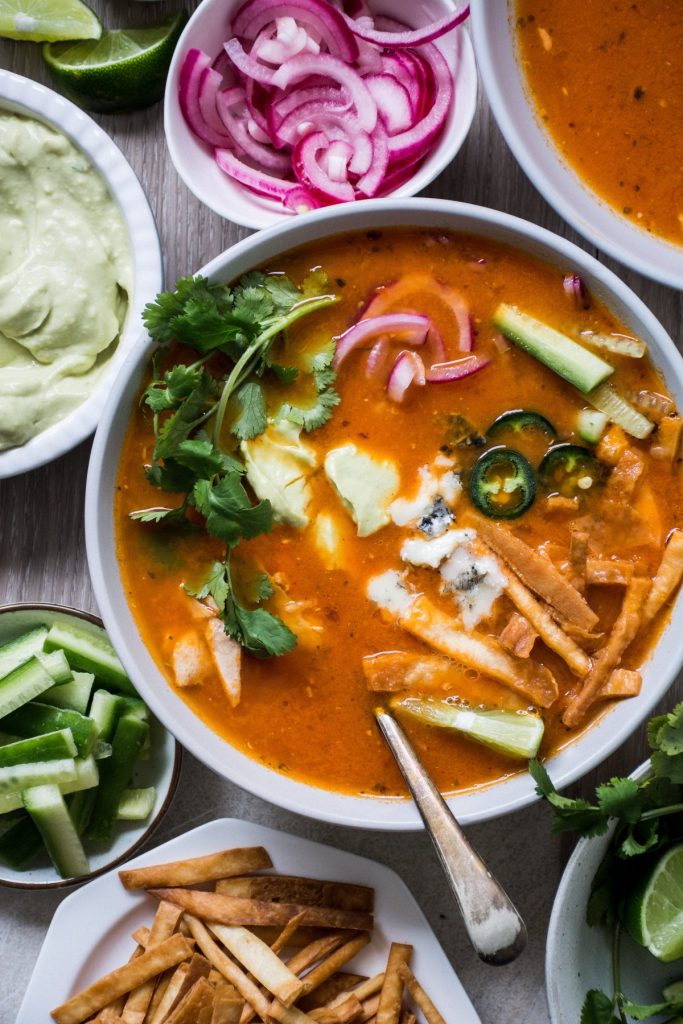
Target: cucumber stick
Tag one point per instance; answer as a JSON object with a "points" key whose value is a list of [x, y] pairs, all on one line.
{"points": [[80, 806], [105, 711], [74, 695], [89, 652], [19, 650], [48, 747], [21, 844], [49, 812], [557, 351], [136, 804], [115, 775], [621, 412], [36, 718], [21, 776], [514, 733], [56, 664], [590, 425], [22, 685], [86, 777]]}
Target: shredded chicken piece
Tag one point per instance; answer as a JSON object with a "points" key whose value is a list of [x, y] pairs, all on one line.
{"points": [[546, 627], [560, 503], [227, 657], [625, 476], [519, 636], [612, 445], [667, 439], [392, 671], [623, 682], [578, 554], [667, 578], [540, 575], [609, 656], [190, 660], [608, 572]]}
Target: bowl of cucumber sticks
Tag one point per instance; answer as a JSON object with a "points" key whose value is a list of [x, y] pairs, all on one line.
{"points": [[86, 772]]}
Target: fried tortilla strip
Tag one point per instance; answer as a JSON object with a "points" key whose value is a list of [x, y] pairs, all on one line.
{"points": [[141, 936], [539, 574], [316, 950], [427, 622], [546, 627], [340, 983], [578, 555], [419, 996], [287, 934], [408, 1018], [150, 963], [213, 906], [623, 682], [260, 961], [306, 891], [625, 477], [608, 572], [173, 992], [349, 1010], [609, 656], [370, 1008], [303, 936], [667, 578], [229, 969], [227, 1005], [163, 926], [197, 869], [163, 981], [326, 968], [391, 993], [668, 439], [288, 1014], [196, 999], [519, 636], [392, 671]]}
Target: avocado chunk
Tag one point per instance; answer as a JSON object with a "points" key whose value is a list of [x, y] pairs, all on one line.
{"points": [[365, 484], [278, 469]]}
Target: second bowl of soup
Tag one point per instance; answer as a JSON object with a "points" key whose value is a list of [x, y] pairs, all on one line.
{"points": [[413, 455]]}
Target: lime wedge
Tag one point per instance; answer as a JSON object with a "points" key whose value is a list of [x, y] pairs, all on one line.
{"points": [[654, 912], [123, 70], [40, 21]]}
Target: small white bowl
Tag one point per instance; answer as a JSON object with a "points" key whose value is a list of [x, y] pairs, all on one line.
{"points": [[207, 30], [579, 957], [493, 32], [24, 96], [381, 813], [161, 769]]}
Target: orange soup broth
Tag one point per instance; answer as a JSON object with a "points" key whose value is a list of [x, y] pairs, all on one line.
{"points": [[308, 713], [606, 81]]}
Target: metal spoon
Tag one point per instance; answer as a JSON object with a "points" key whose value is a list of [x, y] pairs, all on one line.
{"points": [[493, 924]]}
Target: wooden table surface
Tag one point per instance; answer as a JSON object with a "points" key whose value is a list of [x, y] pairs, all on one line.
{"points": [[42, 557]]}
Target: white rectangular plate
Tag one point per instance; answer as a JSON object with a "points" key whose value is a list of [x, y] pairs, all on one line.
{"points": [[90, 933]]}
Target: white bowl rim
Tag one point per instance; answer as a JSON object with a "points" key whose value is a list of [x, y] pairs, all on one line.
{"points": [[264, 213], [500, 97], [24, 96], [388, 814]]}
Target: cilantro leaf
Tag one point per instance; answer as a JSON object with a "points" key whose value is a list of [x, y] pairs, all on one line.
{"points": [[167, 516], [641, 1011], [315, 283], [230, 516], [183, 421], [285, 374], [639, 838], [171, 477], [204, 460], [252, 419], [620, 798], [216, 585], [669, 736], [667, 767], [570, 814], [177, 385], [598, 1009], [261, 632], [320, 412]]}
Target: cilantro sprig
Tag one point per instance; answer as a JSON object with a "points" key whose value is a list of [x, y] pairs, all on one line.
{"points": [[647, 817], [200, 414]]}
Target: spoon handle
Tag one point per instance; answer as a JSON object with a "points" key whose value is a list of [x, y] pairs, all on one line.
{"points": [[493, 924]]}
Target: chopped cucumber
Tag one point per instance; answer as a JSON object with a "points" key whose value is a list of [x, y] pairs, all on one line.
{"points": [[115, 775], [74, 695], [621, 412], [105, 711], [38, 773], [137, 707], [590, 425], [90, 653], [86, 777], [46, 806], [101, 750], [136, 804], [80, 808], [36, 718], [21, 844], [514, 733], [56, 664], [570, 360], [22, 685], [19, 650], [48, 747]]}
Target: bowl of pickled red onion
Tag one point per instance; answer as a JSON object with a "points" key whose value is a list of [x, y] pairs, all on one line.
{"points": [[274, 108]]}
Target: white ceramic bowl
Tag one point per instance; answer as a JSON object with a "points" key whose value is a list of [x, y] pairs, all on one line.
{"points": [[207, 30], [24, 96], [495, 45], [578, 957], [380, 813], [161, 769]]}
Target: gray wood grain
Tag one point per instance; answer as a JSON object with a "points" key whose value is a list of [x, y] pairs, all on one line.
{"points": [[42, 557]]}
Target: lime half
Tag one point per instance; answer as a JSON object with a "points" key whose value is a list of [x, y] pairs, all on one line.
{"points": [[123, 70], [654, 912], [40, 21]]}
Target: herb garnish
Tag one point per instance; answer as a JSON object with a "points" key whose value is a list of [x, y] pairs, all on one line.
{"points": [[201, 416], [648, 817]]}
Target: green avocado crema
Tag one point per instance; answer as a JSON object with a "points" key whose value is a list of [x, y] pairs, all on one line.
{"points": [[65, 277]]}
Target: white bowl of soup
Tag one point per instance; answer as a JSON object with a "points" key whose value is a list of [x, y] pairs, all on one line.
{"points": [[413, 559], [588, 99]]}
